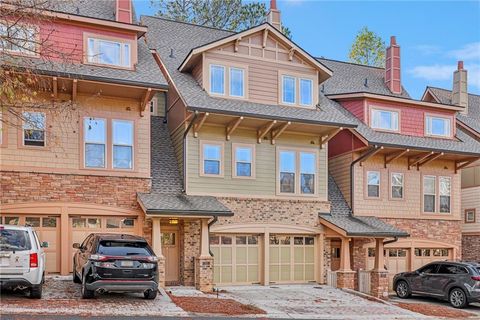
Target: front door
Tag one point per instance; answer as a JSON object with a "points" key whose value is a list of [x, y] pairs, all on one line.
{"points": [[170, 250]]}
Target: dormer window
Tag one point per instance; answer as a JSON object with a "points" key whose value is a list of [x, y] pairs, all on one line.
{"points": [[109, 52], [236, 82], [217, 79], [18, 39], [227, 80], [306, 90], [384, 119], [437, 126], [296, 90], [289, 93]]}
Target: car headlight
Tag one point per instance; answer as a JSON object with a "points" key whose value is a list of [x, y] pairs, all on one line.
{"points": [[147, 265]]}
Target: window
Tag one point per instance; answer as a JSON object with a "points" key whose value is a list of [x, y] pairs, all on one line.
{"points": [[122, 144], [397, 185], [212, 159], [243, 160], [384, 119], [1, 127], [217, 79], [236, 82], [429, 193], [287, 171], [288, 92], [429, 268], [470, 215], [114, 53], [373, 184], [20, 39], [306, 92], [95, 140], [307, 172], [445, 190], [451, 269], [34, 129], [437, 126]]}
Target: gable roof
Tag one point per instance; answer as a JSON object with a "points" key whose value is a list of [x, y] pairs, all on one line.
{"points": [[167, 35], [325, 72], [470, 119], [99, 9]]}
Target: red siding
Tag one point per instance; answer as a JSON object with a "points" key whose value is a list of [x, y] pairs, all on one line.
{"points": [[356, 107], [343, 142]]}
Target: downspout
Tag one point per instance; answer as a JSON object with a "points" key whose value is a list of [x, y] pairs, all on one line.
{"points": [[352, 180], [211, 223], [195, 115], [395, 239]]}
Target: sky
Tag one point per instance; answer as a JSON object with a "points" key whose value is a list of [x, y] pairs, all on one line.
{"points": [[433, 35]]}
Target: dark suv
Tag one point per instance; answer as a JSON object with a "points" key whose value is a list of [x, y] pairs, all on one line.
{"points": [[457, 282], [115, 263]]}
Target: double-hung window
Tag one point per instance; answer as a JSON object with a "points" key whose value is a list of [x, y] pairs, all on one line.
{"points": [[287, 171], [237, 86], [444, 184], [243, 161], [297, 172], [212, 156], [306, 92], [437, 126], [122, 144], [217, 79], [19, 39], [384, 119], [397, 185], [296, 91], [34, 124], [307, 172], [429, 194], [95, 139], [109, 52], [373, 184], [289, 90]]}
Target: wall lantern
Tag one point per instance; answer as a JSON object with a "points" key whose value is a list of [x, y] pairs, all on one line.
{"points": [[173, 221]]}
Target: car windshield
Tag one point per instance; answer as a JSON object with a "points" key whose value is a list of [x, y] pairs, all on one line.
{"points": [[121, 248], [14, 240]]}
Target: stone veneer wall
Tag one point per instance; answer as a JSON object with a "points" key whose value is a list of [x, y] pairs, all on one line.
{"points": [[471, 247]]}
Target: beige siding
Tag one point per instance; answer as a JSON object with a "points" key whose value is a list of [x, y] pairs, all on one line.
{"points": [[471, 177], [63, 151], [339, 168], [471, 200], [197, 72], [264, 184], [412, 204], [177, 141]]}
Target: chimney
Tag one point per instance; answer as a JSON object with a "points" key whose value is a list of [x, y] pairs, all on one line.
{"points": [[123, 12], [460, 91], [273, 16], [392, 67]]}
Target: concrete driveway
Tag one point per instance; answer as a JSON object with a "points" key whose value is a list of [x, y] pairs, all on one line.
{"points": [[473, 308]]}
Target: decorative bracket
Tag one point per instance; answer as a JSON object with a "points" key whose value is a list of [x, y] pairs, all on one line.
{"points": [[198, 126], [394, 156], [231, 127], [263, 131]]}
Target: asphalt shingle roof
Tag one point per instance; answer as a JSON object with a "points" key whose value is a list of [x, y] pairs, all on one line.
{"points": [[165, 35], [470, 119], [99, 9], [341, 216]]}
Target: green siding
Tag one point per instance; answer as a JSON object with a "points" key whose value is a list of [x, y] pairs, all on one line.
{"points": [[264, 183]]}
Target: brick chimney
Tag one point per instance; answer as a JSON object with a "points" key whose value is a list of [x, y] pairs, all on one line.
{"points": [[273, 16], [392, 67], [460, 91], [123, 11]]}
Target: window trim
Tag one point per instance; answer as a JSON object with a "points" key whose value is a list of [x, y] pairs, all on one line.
{"points": [[226, 66], [22, 133], [297, 188], [132, 145], [230, 82], [36, 30], [130, 42], [222, 158], [466, 211], [444, 117], [434, 194], [234, 160], [295, 90], [379, 184], [297, 77], [373, 108], [84, 143], [391, 186], [450, 194], [300, 92], [225, 89]]}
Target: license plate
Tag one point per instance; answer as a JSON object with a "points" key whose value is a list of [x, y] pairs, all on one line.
{"points": [[126, 263]]}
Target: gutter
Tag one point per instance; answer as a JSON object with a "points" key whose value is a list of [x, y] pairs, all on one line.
{"points": [[211, 223], [352, 180], [195, 115], [395, 239]]}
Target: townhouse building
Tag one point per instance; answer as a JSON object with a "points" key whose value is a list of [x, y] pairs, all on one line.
{"points": [[469, 120], [77, 166]]}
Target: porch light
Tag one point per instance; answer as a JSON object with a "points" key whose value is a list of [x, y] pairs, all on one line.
{"points": [[173, 221]]}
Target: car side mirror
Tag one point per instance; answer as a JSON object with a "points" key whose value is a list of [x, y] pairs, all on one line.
{"points": [[76, 245], [44, 244]]}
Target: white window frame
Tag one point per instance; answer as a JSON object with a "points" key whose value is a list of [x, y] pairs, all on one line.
{"points": [[32, 41], [284, 76], [375, 110], [123, 145], [298, 172], [471, 211], [202, 159], [235, 146], [26, 126], [368, 196], [447, 126], [300, 92], [85, 142], [434, 194], [440, 195], [392, 185], [95, 57], [230, 82], [210, 79]]}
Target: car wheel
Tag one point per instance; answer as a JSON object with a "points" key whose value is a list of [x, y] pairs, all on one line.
{"points": [[76, 278], [150, 294], [458, 298], [86, 294], [36, 291], [403, 289]]}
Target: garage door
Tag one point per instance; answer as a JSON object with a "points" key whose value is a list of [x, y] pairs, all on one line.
{"points": [[427, 255], [47, 228], [236, 258], [292, 258], [396, 261]]}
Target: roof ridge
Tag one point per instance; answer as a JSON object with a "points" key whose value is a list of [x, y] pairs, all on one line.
{"points": [[187, 23], [433, 87], [348, 62]]}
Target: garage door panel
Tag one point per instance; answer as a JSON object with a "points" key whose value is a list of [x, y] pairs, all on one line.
{"points": [[242, 257], [310, 271], [253, 275], [298, 274], [285, 255], [226, 255], [226, 274], [309, 255], [299, 254], [253, 253], [241, 273]]}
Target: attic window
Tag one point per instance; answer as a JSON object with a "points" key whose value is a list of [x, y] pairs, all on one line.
{"points": [[109, 52], [384, 119], [437, 126]]}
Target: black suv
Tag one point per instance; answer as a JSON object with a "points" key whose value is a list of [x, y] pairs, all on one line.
{"points": [[457, 282], [115, 263]]}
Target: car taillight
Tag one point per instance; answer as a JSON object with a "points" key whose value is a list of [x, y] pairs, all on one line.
{"points": [[33, 260], [98, 257], [476, 278]]}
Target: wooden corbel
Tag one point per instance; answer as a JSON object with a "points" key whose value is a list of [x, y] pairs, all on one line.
{"points": [[291, 53], [394, 156], [265, 37], [54, 88], [329, 136], [418, 159], [430, 159], [462, 164], [262, 132], [74, 90], [237, 43], [231, 127], [369, 155], [277, 132], [146, 98], [198, 126]]}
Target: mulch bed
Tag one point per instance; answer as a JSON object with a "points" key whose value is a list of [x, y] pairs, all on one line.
{"points": [[214, 305], [435, 310]]}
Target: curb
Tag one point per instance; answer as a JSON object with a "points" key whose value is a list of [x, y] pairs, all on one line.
{"points": [[366, 296]]}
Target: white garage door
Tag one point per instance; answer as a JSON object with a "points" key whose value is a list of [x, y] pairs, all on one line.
{"points": [[424, 256], [292, 258], [236, 258]]}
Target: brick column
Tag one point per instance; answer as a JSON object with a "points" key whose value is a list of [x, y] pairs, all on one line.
{"points": [[161, 271], [204, 274], [346, 279], [379, 284]]}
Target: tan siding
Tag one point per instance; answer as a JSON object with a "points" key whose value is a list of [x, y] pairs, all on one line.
{"points": [[339, 168], [265, 182], [177, 141], [471, 200], [471, 177], [197, 72]]}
